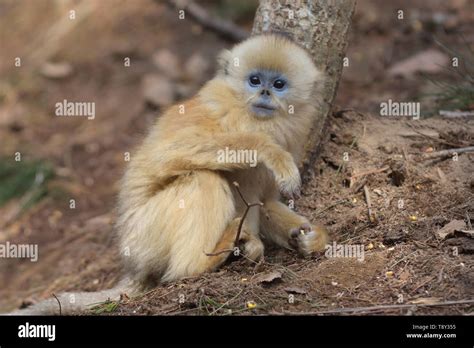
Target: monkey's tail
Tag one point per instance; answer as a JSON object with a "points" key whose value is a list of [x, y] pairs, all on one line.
{"points": [[68, 303]]}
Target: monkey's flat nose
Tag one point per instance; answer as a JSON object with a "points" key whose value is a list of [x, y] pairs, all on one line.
{"points": [[265, 92]]}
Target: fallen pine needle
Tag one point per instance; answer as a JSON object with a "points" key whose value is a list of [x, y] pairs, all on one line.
{"points": [[369, 204], [372, 171], [380, 307]]}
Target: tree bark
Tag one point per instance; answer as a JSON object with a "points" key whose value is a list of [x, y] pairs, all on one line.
{"points": [[321, 26]]}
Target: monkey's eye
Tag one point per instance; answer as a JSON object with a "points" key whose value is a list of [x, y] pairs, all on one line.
{"points": [[279, 84], [254, 80]]}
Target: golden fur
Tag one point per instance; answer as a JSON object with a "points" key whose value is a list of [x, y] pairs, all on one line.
{"points": [[177, 202]]}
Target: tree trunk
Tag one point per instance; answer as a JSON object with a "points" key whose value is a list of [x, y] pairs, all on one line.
{"points": [[321, 26]]}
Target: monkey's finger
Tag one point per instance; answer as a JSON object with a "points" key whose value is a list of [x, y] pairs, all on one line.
{"points": [[297, 194], [294, 232]]}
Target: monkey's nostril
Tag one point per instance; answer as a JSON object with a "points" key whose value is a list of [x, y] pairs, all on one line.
{"points": [[265, 91]]}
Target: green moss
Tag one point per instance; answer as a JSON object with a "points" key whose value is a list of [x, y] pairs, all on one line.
{"points": [[24, 179], [105, 307]]}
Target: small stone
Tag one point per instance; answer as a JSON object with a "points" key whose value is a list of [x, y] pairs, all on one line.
{"points": [[167, 63], [56, 71], [196, 67], [157, 90]]}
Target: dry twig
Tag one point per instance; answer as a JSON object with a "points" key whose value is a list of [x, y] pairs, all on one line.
{"points": [[369, 204], [455, 113], [341, 201], [241, 224], [447, 153], [381, 307], [372, 171], [200, 15], [59, 303], [247, 208], [427, 136]]}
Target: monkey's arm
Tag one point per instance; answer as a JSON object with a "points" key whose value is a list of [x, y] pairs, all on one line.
{"points": [[182, 156]]}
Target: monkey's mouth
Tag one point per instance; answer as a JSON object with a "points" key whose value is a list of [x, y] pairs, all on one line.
{"points": [[263, 109]]}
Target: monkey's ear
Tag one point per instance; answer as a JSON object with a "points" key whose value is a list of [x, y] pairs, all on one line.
{"points": [[223, 60]]}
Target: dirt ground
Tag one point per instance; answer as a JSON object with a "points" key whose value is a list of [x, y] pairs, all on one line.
{"points": [[406, 261]]}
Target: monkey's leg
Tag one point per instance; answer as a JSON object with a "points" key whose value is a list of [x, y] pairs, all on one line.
{"points": [[209, 261], [252, 245], [284, 227], [207, 223], [217, 257]]}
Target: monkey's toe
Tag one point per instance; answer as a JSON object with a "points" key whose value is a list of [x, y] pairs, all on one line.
{"points": [[253, 249], [307, 239]]}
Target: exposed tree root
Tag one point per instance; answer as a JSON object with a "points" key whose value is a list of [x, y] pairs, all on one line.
{"points": [[68, 303]]}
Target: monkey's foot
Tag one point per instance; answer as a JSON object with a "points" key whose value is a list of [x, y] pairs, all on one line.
{"points": [[307, 239], [251, 247]]}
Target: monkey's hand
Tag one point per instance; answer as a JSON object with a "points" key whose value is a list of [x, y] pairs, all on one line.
{"points": [[307, 239], [286, 173]]}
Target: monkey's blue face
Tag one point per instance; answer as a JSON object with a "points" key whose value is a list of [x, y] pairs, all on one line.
{"points": [[267, 89]]}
